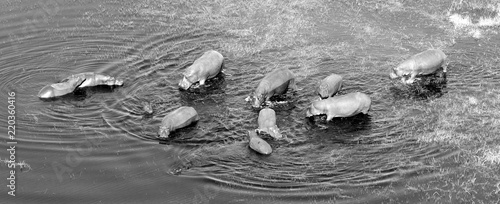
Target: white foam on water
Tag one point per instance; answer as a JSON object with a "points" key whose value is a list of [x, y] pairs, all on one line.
{"points": [[489, 22], [460, 21]]}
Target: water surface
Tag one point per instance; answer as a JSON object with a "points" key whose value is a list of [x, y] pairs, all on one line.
{"points": [[99, 146]]}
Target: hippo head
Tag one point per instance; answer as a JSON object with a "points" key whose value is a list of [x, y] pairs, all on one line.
{"points": [[189, 78], [394, 73], [185, 83], [323, 90], [47, 92], [311, 111], [164, 132], [258, 99]]}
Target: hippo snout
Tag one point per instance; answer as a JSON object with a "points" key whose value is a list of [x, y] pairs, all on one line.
{"points": [[185, 84], [257, 102], [163, 132], [46, 92]]}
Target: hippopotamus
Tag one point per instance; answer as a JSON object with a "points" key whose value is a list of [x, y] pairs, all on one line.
{"points": [[424, 63], [203, 68], [274, 83], [179, 118], [267, 123], [69, 84], [329, 86], [258, 144], [341, 106]]}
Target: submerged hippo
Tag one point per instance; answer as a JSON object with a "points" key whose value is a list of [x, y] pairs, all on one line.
{"points": [[341, 106], [203, 68], [424, 63], [179, 118], [329, 86], [69, 84], [274, 83], [267, 123], [258, 144]]}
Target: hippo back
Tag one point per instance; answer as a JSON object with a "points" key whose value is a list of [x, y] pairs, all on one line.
{"points": [[258, 144], [267, 118], [207, 66], [94, 79], [429, 61], [179, 118], [276, 81], [350, 104], [330, 85]]}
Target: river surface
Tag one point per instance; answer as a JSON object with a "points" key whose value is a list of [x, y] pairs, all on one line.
{"points": [[99, 146]]}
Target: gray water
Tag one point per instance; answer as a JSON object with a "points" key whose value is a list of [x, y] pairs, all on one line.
{"points": [[98, 145]]}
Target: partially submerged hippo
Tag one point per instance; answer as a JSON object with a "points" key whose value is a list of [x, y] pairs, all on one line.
{"points": [[203, 68], [258, 144], [424, 63], [274, 83], [341, 106], [69, 84], [329, 86], [267, 123], [94, 79], [179, 118]]}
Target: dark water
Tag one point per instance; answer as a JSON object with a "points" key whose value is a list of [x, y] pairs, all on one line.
{"points": [[99, 146]]}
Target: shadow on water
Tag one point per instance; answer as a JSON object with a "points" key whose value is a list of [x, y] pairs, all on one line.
{"points": [[342, 130], [284, 102], [350, 124], [187, 137]]}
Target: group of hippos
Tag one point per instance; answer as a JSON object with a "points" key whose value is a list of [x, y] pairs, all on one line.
{"points": [[275, 83]]}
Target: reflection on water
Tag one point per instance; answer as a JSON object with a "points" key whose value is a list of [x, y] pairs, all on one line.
{"points": [[101, 141]]}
